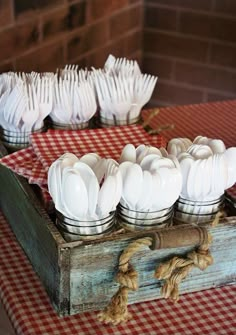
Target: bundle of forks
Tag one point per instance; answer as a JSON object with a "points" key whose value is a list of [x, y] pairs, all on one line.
{"points": [[122, 90], [72, 96]]}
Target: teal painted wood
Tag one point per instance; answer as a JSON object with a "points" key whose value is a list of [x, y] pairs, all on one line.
{"points": [[37, 235], [93, 268], [79, 276]]}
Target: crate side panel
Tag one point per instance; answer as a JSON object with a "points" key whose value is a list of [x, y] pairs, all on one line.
{"points": [[93, 269], [33, 233]]}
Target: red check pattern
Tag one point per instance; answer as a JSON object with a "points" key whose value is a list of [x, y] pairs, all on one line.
{"points": [[214, 120], [34, 161], [25, 300], [209, 119], [29, 309], [107, 142]]}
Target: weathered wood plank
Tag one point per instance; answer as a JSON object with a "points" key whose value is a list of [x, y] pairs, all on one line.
{"points": [[93, 268], [79, 276], [35, 232]]}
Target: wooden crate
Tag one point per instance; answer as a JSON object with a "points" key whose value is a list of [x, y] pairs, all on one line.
{"points": [[79, 276]]}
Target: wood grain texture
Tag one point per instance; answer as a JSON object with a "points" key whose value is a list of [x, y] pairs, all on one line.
{"points": [[93, 268], [79, 276]]}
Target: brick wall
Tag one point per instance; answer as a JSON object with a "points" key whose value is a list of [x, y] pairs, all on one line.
{"points": [[42, 35], [191, 46]]}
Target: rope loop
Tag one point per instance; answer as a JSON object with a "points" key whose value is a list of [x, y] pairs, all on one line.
{"points": [[173, 272], [117, 310]]}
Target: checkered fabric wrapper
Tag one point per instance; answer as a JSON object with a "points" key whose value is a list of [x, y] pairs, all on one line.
{"points": [[30, 311], [45, 148], [107, 142]]}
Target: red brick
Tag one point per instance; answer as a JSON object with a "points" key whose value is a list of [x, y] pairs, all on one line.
{"points": [[175, 46], [193, 4], [98, 57], [47, 58], [125, 21], [100, 8], [81, 61], [119, 47], [77, 15], [64, 19], [138, 55], [222, 54], [220, 96], [133, 42], [88, 39], [158, 66], [206, 77], [160, 18], [208, 26], [5, 67], [6, 12], [15, 40], [23, 8], [225, 6], [55, 22], [175, 94]]}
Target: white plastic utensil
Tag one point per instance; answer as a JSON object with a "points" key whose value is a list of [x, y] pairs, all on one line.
{"points": [[90, 159], [230, 155], [91, 184], [100, 169], [144, 202], [106, 196], [128, 154], [132, 185], [185, 166], [74, 194], [146, 162]]}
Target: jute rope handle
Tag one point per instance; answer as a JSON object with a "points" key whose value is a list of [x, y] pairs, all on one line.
{"points": [[172, 271]]}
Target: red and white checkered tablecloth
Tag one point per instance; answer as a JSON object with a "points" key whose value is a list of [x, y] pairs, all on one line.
{"points": [[34, 161], [206, 312], [213, 119], [107, 142], [30, 311]]}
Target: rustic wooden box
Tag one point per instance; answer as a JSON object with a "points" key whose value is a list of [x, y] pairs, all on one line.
{"points": [[79, 276]]}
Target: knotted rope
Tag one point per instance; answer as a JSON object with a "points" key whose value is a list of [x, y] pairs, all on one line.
{"points": [[127, 277], [172, 271], [221, 214], [176, 269]]}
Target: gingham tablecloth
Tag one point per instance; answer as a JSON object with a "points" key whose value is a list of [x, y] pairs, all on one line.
{"points": [[207, 312], [30, 311], [45, 148], [213, 119]]}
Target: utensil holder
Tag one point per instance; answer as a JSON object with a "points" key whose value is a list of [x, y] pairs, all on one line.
{"points": [[15, 140], [68, 126], [196, 212], [74, 230], [137, 220], [116, 121]]}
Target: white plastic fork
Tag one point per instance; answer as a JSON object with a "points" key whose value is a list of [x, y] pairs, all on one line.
{"points": [[62, 108], [31, 114], [88, 101], [44, 95], [142, 91], [13, 107]]}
